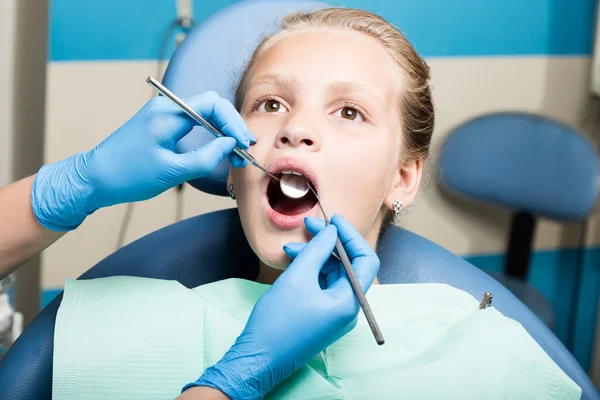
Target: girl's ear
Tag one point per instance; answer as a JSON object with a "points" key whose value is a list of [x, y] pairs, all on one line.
{"points": [[405, 184]]}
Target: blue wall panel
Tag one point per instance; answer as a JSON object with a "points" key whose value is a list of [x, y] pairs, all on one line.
{"points": [[83, 30]]}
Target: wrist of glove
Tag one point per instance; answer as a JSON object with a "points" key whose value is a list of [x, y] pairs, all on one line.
{"points": [[241, 374], [60, 195]]}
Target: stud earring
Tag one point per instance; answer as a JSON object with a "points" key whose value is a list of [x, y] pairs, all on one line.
{"points": [[397, 207], [231, 191]]}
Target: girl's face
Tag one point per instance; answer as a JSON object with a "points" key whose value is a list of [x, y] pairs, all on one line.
{"points": [[325, 104]]}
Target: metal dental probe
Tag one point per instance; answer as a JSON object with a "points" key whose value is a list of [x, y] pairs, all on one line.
{"points": [[343, 257], [198, 118]]}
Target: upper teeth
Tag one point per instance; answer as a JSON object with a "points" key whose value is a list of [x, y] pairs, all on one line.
{"points": [[291, 173]]}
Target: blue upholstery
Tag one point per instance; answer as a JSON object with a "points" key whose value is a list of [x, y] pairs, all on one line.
{"points": [[557, 168], [213, 246]]}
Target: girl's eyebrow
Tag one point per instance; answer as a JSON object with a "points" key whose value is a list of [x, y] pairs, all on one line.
{"points": [[283, 82], [352, 87], [290, 83]]}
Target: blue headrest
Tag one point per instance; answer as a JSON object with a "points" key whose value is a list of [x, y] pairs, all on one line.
{"points": [[524, 163], [213, 56]]}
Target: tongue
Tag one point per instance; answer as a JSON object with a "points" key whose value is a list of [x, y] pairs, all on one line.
{"points": [[287, 206]]}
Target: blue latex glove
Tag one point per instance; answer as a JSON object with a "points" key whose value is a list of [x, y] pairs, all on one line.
{"points": [[137, 162], [296, 319]]}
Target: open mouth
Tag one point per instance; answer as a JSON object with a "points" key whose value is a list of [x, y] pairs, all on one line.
{"points": [[286, 205], [285, 211]]}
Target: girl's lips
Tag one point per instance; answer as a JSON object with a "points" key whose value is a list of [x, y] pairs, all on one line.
{"points": [[278, 220], [287, 222]]}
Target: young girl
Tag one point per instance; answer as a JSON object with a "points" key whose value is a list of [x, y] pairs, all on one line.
{"points": [[340, 98]]}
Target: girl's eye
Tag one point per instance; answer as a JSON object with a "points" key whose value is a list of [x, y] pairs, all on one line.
{"points": [[350, 113], [271, 106]]}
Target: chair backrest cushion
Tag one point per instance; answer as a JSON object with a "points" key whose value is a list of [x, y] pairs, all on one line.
{"points": [[522, 162]]}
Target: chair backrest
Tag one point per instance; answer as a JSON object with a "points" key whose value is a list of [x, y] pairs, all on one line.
{"points": [[522, 162], [213, 246]]}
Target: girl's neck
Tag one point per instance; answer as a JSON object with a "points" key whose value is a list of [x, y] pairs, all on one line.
{"points": [[268, 275]]}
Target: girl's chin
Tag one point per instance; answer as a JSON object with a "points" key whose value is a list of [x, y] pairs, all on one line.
{"points": [[278, 262], [269, 246]]}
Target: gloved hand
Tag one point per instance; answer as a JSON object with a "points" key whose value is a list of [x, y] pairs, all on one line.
{"points": [[137, 162], [296, 319]]}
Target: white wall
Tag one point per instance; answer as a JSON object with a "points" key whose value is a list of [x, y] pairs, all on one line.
{"points": [[7, 43], [26, 107]]}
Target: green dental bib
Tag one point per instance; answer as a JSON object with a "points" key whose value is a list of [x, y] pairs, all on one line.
{"points": [[138, 338]]}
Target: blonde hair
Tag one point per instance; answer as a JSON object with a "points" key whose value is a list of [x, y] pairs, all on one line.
{"points": [[417, 109]]}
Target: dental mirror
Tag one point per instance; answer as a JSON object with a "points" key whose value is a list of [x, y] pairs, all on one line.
{"points": [[293, 186]]}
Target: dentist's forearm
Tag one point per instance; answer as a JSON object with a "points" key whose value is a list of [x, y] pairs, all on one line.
{"points": [[21, 235], [202, 393]]}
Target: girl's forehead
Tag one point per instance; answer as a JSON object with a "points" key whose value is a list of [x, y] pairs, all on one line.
{"points": [[325, 57]]}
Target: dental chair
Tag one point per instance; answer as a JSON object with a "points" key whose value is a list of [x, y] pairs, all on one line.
{"points": [[213, 247], [534, 167]]}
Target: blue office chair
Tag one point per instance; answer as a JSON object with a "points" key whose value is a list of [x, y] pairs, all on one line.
{"points": [[213, 247], [530, 165]]}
